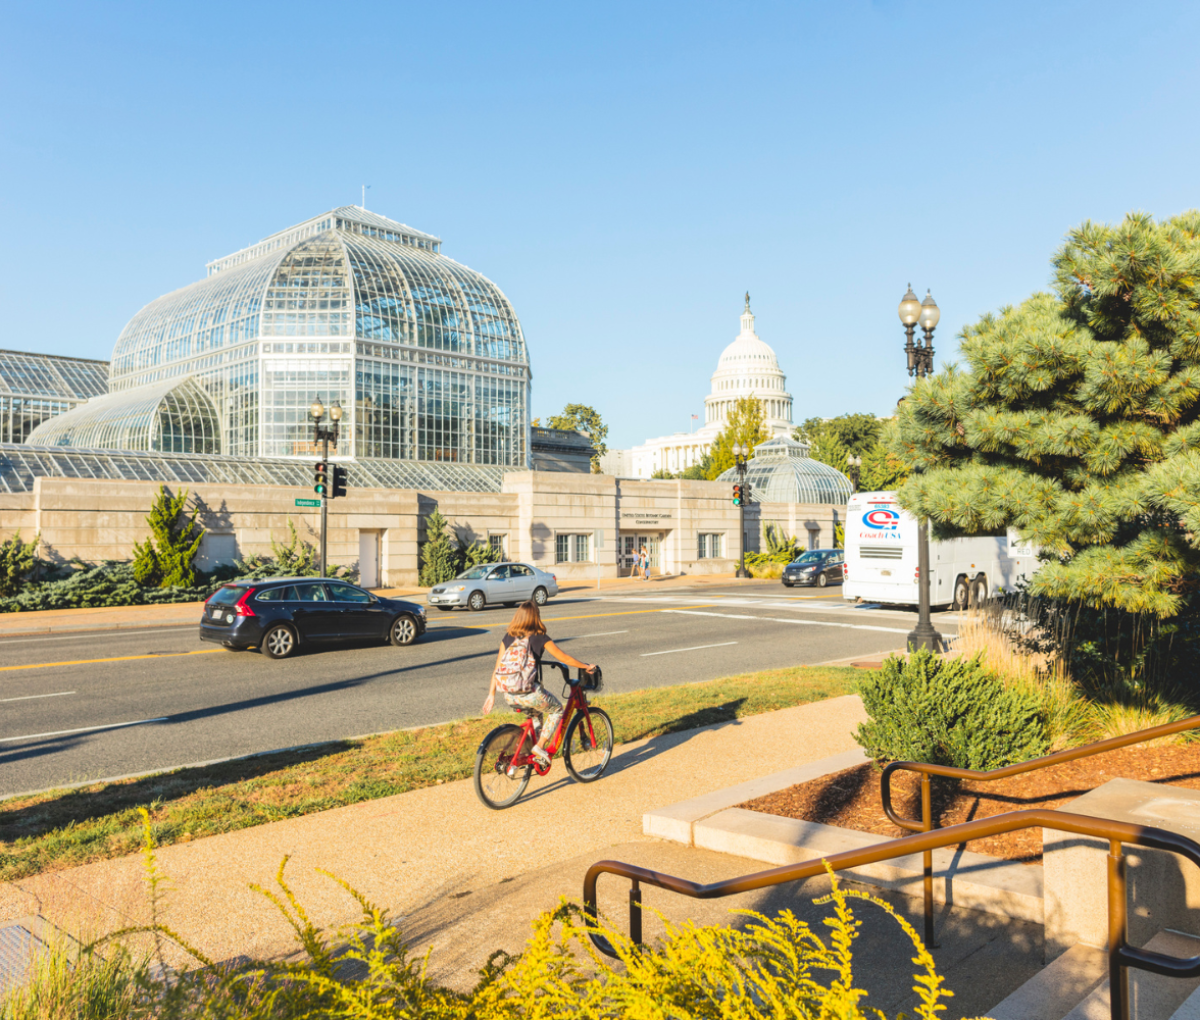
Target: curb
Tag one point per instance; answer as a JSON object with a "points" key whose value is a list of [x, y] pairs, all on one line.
{"points": [[961, 879]]}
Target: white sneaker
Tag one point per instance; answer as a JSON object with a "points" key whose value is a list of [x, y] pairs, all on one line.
{"points": [[539, 755]]}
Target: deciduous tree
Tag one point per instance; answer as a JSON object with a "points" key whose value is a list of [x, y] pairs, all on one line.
{"points": [[745, 426], [581, 418]]}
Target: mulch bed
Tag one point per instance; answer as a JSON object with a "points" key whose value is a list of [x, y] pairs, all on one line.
{"points": [[850, 798]]}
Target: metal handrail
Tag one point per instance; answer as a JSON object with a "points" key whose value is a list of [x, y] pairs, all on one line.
{"points": [[1057, 758], [1120, 954]]}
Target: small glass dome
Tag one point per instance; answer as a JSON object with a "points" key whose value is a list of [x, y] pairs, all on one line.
{"points": [[782, 472]]}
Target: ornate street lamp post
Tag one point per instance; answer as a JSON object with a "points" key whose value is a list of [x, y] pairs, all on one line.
{"points": [[740, 453], [854, 467], [324, 436], [920, 363]]}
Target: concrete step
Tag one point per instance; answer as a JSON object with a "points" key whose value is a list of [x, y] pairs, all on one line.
{"points": [[961, 879], [1057, 988], [1075, 987], [1190, 1010]]}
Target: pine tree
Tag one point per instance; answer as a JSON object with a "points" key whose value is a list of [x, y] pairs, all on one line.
{"points": [[439, 558], [1077, 421], [165, 559], [746, 425], [18, 563]]}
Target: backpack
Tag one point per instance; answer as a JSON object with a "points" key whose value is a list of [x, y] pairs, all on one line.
{"points": [[518, 669]]}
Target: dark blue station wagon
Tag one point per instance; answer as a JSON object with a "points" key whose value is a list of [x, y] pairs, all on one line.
{"points": [[279, 615]]}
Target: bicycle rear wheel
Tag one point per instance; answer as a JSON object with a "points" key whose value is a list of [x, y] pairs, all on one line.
{"points": [[586, 759], [497, 782]]}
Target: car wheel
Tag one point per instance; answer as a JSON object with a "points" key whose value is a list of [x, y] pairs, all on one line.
{"points": [[540, 596], [403, 632], [822, 580], [477, 601], [279, 642]]}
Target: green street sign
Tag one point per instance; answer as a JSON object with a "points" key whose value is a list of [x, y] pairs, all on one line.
{"points": [[308, 502]]}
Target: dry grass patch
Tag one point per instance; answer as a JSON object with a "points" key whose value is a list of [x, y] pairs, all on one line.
{"points": [[64, 828]]}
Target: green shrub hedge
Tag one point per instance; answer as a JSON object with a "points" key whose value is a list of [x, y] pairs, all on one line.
{"points": [[949, 712]]}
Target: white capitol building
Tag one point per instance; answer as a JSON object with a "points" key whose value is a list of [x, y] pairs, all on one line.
{"points": [[747, 368]]}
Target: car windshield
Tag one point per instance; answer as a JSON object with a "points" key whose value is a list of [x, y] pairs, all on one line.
{"points": [[808, 559], [475, 573]]}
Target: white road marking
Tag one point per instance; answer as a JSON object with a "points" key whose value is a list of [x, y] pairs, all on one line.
{"points": [[776, 619], [603, 633], [30, 697], [82, 729], [694, 648]]}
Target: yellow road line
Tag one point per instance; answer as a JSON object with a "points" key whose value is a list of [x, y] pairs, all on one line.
{"points": [[555, 619], [119, 658], [443, 626]]}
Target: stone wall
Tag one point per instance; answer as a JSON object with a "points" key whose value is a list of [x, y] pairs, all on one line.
{"points": [[95, 520]]}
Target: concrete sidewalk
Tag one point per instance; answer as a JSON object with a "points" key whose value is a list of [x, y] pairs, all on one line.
{"points": [[68, 621], [425, 851]]}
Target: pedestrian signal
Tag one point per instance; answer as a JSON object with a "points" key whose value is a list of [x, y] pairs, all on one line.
{"points": [[339, 481], [737, 495], [321, 479]]}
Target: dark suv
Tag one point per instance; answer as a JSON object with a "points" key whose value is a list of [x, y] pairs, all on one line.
{"points": [[817, 566], [278, 615]]}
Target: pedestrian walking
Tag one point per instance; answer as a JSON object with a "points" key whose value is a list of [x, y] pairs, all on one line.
{"points": [[645, 558]]}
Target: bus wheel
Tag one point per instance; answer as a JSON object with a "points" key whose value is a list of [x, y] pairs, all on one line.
{"points": [[962, 593], [979, 591]]}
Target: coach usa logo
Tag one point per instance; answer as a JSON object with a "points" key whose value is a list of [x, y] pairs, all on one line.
{"points": [[881, 520]]}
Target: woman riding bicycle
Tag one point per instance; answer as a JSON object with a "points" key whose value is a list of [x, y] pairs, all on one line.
{"points": [[517, 673]]}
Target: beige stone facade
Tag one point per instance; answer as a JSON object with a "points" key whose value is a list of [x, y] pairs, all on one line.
{"points": [[559, 521]]}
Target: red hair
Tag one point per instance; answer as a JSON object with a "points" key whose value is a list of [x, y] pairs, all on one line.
{"points": [[526, 620]]}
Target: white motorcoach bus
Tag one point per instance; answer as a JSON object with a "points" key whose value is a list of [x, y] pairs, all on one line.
{"points": [[881, 558]]}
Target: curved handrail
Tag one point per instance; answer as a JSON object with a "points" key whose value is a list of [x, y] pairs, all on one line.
{"points": [[1057, 758], [1120, 954]]}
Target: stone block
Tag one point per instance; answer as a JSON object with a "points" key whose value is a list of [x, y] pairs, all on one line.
{"points": [[1163, 889]]}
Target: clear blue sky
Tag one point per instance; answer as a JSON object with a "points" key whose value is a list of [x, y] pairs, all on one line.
{"points": [[624, 171]]}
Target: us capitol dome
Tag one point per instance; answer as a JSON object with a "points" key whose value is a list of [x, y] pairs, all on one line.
{"points": [[748, 367]]}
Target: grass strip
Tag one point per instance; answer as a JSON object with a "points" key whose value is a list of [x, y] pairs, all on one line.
{"points": [[64, 828]]}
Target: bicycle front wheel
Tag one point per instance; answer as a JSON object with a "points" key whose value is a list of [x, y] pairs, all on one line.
{"points": [[498, 783], [587, 758]]}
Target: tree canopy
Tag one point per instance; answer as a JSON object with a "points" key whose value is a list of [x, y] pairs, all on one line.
{"points": [[832, 440], [1076, 419], [746, 425], [581, 418]]}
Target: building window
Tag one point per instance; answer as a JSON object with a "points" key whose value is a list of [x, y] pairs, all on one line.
{"points": [[497, 544], [708, 547], [572, 548]]}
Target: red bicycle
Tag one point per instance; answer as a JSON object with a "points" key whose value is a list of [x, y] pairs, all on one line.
{"points": [[503, 763]]}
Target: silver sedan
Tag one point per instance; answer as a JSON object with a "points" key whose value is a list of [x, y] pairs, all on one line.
{"points": [[491, 584]]}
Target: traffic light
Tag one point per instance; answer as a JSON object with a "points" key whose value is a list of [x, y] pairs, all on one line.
{"points": [[339, 480], [321, 479], [737, 495]]}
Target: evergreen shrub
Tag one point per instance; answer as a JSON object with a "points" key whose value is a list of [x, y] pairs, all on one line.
{"points": [[439, 558], [949, 712], [18, 563], [93, 587], [165, 558]]}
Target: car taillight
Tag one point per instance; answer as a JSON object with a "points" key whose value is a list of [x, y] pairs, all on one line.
{"points": [[241, 608]]}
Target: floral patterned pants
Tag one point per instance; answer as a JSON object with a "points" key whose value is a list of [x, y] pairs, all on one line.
{"points": [[534, 703]]}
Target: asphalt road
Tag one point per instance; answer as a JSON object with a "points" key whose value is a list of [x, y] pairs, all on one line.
{"points": [[75, 708]]}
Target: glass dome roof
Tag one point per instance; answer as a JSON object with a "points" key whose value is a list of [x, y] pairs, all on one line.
{"points": [[782, 472], [169, 416]]}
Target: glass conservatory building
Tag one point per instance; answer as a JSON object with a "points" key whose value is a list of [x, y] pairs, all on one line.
{"points": [[426, 356], [37, 387]]}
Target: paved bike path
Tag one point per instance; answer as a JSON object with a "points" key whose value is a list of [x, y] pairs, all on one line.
{"points": [[418, 850]]}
